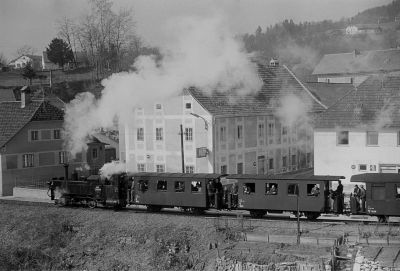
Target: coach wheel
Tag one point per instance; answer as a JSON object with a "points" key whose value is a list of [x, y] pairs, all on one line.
{"points": [[92, 204], [197, 211], [295, 214], [312, 215], [153, 208], [257, 213], [383, 218]]}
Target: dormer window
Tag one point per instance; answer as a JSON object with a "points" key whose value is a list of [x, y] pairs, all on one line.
{"points": [[188, 105]]}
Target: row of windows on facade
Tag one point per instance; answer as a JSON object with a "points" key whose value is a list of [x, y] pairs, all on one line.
{"points": [[188, 106], [372, 138], [239, 166], [44, 159], [223, 134], [224, 168], [161, 168], [160, 134], [46, 134]]}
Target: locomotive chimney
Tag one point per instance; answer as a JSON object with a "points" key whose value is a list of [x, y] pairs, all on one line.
{"points": [[66, 171]]}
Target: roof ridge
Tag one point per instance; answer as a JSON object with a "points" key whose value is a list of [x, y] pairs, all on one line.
{"points": [[304, 87]]}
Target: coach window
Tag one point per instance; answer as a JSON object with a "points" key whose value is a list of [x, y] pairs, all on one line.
{"points": [[292, 189], [196, 187], [249, 188], [143, 185], [162, 185], [271, 188], [179, 186], [313, 190], [397, 191]]}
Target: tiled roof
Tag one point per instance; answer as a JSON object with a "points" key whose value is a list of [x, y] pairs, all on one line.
{"points": [[362, 62], [277, 82], [329, 93], [13, 118], [7, 95], [375, 104], [106, 140]]}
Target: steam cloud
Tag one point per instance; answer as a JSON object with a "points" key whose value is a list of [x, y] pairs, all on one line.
{"points": [[293, 111], [114, 167], [199, 52]]}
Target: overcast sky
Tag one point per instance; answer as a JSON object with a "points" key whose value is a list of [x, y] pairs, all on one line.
{"points": [[33, 22]]}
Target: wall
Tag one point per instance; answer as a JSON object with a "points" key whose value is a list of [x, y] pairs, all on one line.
{"points": [[333, 159], [260, 142], [253, 149], [167, 152]]}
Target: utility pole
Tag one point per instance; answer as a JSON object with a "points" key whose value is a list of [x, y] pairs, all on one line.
{"points": [[182, 151], [298, 215]]}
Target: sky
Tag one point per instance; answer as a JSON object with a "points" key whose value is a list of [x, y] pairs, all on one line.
{"points": [[34, 22]]}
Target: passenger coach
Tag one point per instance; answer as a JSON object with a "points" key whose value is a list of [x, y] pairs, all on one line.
{"points": [[260, 194]]}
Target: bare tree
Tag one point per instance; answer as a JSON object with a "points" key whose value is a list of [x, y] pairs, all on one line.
{"points": [[103, 34], [3, 60], [67, 30], [25, 50]]}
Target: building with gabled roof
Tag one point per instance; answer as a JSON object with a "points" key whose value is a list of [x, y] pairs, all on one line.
{"points": [[222, 132], [355, 67], [361, 132], [22, 61], [31, 143]]}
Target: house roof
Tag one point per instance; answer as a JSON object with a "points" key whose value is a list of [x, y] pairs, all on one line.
{"points": [[329, 93], [34, 58], [277, 82], [375, 104], [7, 95], [13, 118], [360, 62], [106, 140]]}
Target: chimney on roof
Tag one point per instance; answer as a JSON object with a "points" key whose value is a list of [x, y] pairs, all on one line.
{"points": [[357, 52], [274, 62], [25, 96]]}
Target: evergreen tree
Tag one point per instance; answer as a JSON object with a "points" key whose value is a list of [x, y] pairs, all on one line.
{"points": [[59, 52]]}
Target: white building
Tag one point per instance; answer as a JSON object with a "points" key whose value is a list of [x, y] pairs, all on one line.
{"points": [[24, 60], [361, 132], [223, 132]]}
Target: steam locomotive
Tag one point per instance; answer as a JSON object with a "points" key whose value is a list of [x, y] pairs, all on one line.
{"points": [[258, 194]]}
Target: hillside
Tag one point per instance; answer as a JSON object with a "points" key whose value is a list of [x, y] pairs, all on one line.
{"points": [[301, 45]]}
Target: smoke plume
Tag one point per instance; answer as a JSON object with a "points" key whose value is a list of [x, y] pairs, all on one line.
{"points": [[199, 52], [293, 111], [114, 167]]}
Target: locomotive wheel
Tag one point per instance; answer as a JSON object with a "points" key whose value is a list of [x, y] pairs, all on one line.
{"points": [[312, 215], [383, 218], [92, 204], [257, 213], [62, 201]]}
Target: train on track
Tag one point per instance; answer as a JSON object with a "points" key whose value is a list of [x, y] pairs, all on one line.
{"points": [[258, 194]]}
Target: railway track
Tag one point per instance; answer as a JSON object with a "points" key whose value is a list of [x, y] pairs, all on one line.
{"points": [[332, 219]]}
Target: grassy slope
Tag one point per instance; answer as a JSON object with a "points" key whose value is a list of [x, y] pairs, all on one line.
{"points": [[37, 238]]}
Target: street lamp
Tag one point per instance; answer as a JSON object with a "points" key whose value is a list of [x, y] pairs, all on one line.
{"points": [[205, 121]]}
